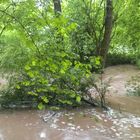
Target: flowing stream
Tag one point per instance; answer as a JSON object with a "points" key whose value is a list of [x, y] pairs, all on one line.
{"points": [[78, 124], [121, 122]]}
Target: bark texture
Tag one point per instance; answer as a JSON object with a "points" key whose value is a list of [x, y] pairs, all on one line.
{"points": [[103, 48], [57, 6]]}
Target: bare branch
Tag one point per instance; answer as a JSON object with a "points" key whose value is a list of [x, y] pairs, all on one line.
{"points": [[3, 30]]}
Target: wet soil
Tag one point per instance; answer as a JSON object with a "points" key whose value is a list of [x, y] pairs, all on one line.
{"points": [[121, 122]]}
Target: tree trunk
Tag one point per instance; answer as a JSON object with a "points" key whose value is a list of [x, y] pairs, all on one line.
{"points": [[57, 6], [102, 50]]}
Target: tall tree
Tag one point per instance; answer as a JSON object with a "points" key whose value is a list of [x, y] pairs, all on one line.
{"points": [[95, 20], [57, 6], [103, 48]]}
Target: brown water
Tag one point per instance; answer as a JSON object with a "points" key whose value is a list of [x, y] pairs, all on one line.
{"points": [[119, 76], [117, 97], [120, 123], [85, 124]]}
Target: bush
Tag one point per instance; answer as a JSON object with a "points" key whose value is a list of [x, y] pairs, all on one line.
{"points": [[54, 81], [120, 54], [138, 59], [10, 98], [116, 59], [51, 70], [40, 84]]}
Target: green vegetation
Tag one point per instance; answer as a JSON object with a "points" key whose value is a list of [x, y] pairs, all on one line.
{"points": [[52, 49]]}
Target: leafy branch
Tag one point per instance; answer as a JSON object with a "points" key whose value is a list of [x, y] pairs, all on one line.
{"points": [[20, 23]]}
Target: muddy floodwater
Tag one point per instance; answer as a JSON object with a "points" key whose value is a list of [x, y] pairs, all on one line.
{"points": [[84, 124], [120, 122]]}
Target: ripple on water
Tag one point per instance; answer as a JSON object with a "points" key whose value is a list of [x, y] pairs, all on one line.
{"points": [[42, 135], [84, 124]]}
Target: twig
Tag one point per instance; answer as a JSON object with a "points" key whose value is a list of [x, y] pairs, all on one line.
{"points": [[48, 117]]}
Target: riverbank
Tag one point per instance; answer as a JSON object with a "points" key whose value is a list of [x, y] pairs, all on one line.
{"points": [[120, 122]]}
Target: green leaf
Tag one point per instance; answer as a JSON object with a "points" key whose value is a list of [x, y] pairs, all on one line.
{"points": [[32, 93], [62, 71], [54, 108], [72, 95], [17, 87], [33, 63], [27, 67], [68, 102], [31, 74], [41, 106], [26, 83], [45, 99], [78, 99], [97, 61]]}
